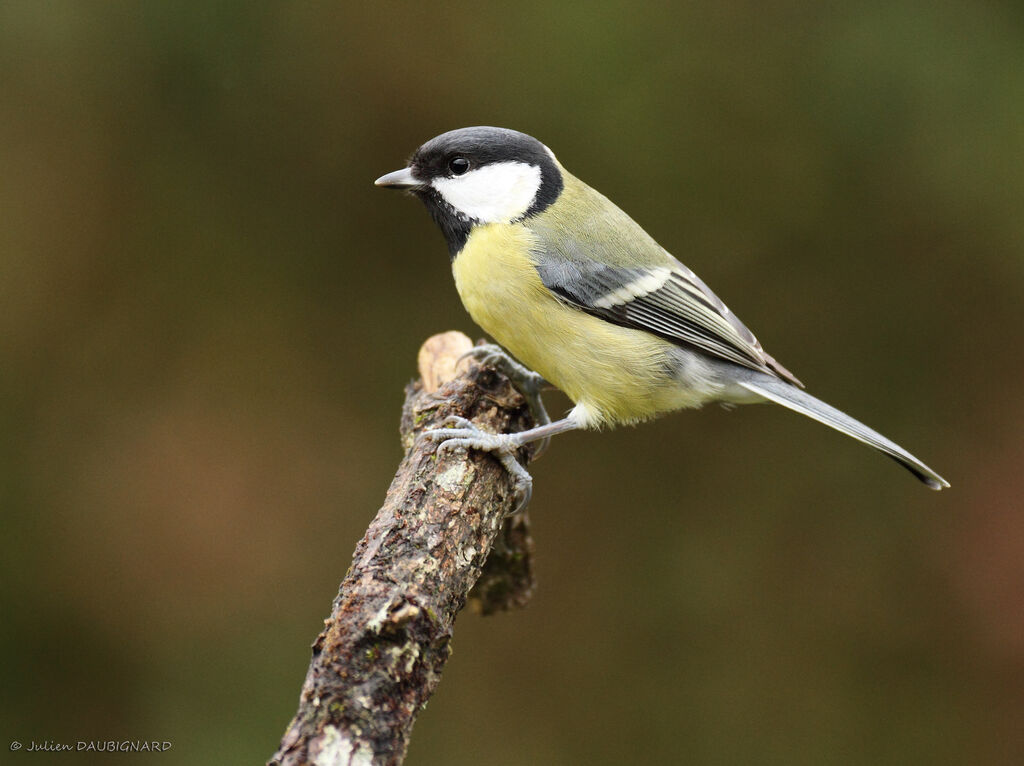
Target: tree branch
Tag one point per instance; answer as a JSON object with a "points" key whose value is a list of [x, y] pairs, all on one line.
{"points": [[382, 650]]}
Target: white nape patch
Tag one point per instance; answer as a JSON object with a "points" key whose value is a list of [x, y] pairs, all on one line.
{"points": [[497, 193], [648, 283]]}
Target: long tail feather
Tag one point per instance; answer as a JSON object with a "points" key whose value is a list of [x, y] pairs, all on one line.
{"points": [[789, 396]]}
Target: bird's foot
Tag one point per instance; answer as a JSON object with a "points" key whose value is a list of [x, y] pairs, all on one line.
{"points": [[466, 435], [524, 380]]}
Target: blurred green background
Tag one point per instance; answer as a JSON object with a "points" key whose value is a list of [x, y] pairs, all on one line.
{"points": [[209, 314]]}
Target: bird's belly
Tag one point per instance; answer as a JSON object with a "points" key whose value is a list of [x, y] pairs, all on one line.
{"points": [[617, 373]]}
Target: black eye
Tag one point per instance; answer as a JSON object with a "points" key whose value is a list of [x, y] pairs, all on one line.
{"points": [[458, 165]]}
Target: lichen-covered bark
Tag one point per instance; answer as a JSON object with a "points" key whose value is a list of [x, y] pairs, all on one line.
{"points": [[382, 650]]}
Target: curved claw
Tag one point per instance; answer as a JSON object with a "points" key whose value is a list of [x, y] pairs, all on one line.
{"points": [[457, 421], [446, 446], [521, 479]]}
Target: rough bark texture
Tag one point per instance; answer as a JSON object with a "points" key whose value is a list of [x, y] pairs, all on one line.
{"points": [[382, 650]]}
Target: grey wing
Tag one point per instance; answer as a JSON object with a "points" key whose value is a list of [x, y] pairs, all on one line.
{"points": [[667, 300]]}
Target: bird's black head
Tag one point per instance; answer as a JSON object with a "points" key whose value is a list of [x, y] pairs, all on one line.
{"points": [[482, 175]]}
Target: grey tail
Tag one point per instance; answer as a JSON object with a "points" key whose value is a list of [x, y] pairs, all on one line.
{"points": [[789, 396]]}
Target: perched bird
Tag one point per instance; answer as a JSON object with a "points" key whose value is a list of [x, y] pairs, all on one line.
{"points": [[578, 292]]}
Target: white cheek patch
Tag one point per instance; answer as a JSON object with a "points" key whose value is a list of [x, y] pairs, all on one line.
{"points": [[495, 193]]}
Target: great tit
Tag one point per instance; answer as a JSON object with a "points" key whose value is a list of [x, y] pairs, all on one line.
{"points": [[578, 292]]}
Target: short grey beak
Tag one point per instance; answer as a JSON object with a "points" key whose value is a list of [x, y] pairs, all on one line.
{"points": [[400, 179]]}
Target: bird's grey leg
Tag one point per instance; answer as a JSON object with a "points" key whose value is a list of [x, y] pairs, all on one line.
{"points": [[526, 381], [467, 435]]}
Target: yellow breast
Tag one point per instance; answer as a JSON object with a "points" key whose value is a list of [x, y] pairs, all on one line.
{"points": [[618, 374]]}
